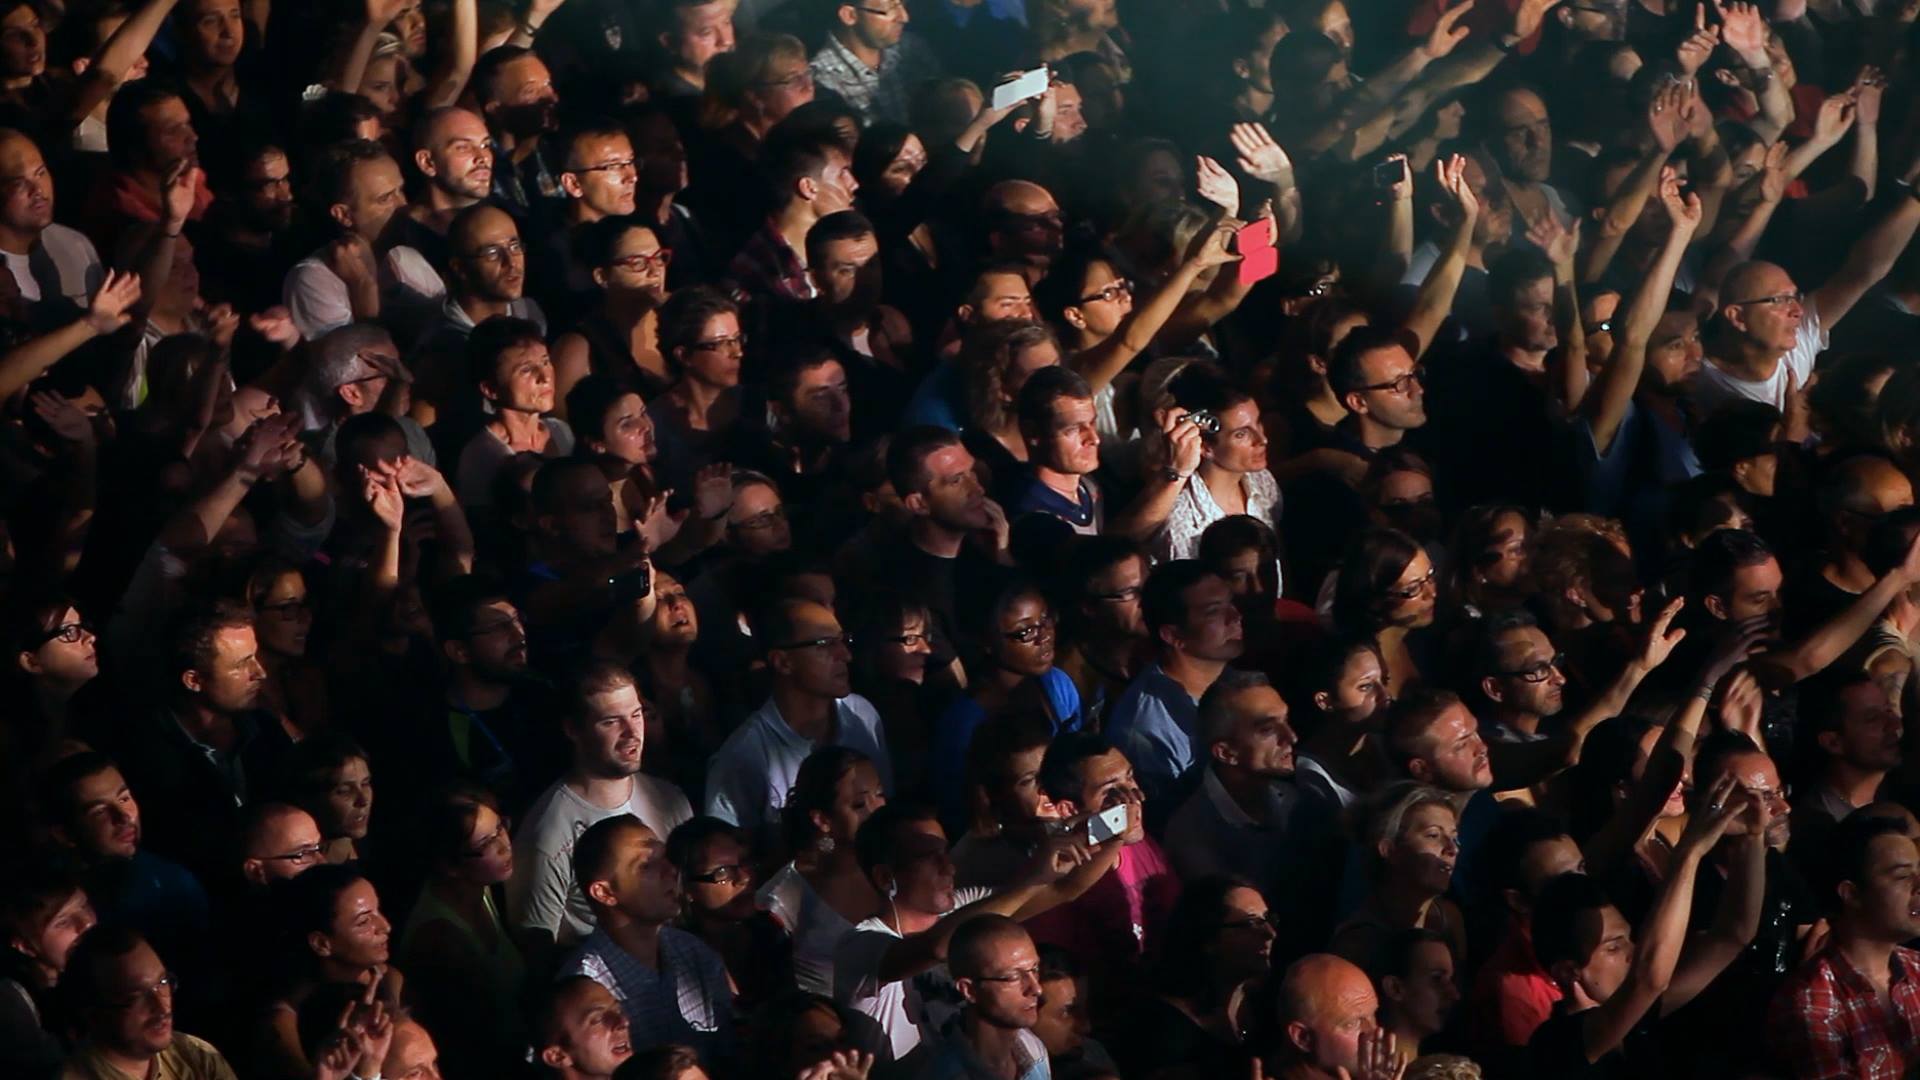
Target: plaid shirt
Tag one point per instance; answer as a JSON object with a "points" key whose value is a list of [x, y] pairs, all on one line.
{"points": [[766, 266], [876, 94], [685, 1000], [1827, 1020]]}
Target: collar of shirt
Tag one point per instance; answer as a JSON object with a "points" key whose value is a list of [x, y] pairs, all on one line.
{"points": [[841, 56], [776, 727], [1230, 811]]}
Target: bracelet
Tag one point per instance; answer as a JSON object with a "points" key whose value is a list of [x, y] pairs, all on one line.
{"points": [[1506, 46], [1913, 191], [1174, 475], [1704, 692]]}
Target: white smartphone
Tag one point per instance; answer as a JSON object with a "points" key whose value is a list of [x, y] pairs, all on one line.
{"points": [[1106, 825], [1029, 84]]}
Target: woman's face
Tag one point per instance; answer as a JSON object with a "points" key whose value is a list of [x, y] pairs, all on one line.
{"points": [[1241, 445], [715, 358], [1244, 947], [1411, 599], [855, 799], [719, 883], [1676, 804], [360, 934], [1427, 847], [902, 654], [1026, 643], [23, 44], [627, 431], [637, 266], [1027, 361], [56, 938], [489, 850], [1360, 694], [905, 165], [381, 83], [282, 617], [1161, 179], [410, 26], [69, 656]]}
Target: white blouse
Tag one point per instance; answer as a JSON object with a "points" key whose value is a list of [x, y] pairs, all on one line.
{"points": [[1194, 510]]}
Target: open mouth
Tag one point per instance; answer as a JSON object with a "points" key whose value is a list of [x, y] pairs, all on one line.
{"points": [[623, 1048]]}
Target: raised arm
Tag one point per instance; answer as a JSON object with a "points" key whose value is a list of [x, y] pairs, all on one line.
{"points": [[1263, 159], [1869, 259], [1667, 119], [376, 16], [450, 81], [1822, 647], [1104, 362], [1737, 918], [1664, 930], [106, 314], [1744, 30], [1434, 302], [1607, 401], [108, 66]]}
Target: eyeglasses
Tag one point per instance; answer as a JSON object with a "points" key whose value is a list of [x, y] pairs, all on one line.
{"points": [[644, 261], [727, 874], [1402, 384], [908, 641], [1111, 291], [1772, 796], [1020, 976], [765, 519], [734, 343], [1408, 592], [498, 253], [827, 642], [491, 842], [623, 165], [1794, 299], [885, 10], [1032, 632], [1120, 596], [288, 610], [65, 633], [1540, 672], [1269, 921], [158, 993], [298, 856]]}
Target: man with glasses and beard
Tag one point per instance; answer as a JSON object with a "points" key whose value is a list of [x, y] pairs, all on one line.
{"points": [[869, 60], [125, 996], [996, 970], [244, 243]]}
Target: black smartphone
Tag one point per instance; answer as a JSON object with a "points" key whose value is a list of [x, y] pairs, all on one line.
{"points": [[1388, 173]]}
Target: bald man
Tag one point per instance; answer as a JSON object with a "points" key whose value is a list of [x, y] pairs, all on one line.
{"points": [[1328, 1022], [1024, 225], [996, 969], [452, 150], [69, 266], [812, 705], [487, 277], [1852, 496], [412, 1053], [278, 841], [1767, 331]]}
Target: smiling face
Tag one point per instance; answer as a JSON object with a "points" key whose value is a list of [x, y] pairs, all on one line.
{"points": [[359, 935]]}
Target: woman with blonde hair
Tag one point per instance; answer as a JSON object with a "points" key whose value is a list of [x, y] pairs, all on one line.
{"points": [[1411, 835]]}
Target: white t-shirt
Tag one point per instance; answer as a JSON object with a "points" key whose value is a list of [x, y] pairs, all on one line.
{"points": [[318, 299], [543, 894], [1713, 387], [906, 1012], [22, 275]]}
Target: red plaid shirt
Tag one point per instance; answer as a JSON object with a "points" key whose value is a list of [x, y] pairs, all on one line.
{"points": [[1827, 1020]]}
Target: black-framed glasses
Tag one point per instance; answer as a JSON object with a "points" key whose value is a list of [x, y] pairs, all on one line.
{"points": [[1110, 292], [1402, 384], [1539, 672], [1120, 596], [724, 874], [623, 165], [885, 10], [288, 610], [490, 842], [299, 856], [498, 253], [1408, 592], [163, 990], [644, 261], [1032, 632], [65, 633], [908, 641], [827, 642], [1014, 977], [1794, 298]]}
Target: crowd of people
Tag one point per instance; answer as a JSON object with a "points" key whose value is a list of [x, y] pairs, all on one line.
{"points": [[845, 539]]}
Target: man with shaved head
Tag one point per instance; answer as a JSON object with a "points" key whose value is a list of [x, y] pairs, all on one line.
{"points": [[1024, 225], [1767, 331], [1327, 1021], [452, 149], [812, 705], [278, 841], [996, 969], [46, 260], [487, 277]]}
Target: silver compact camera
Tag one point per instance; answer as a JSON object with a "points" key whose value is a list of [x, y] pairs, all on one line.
{"points": [[1204, 420]]}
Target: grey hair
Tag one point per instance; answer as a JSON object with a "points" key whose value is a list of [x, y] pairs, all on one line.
{"points": [[336, 362], [1386, 815], [1216, 717]]}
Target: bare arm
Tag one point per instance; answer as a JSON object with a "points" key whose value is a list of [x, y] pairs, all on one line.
{"points": [[1172, 459], [1867, 262], [1744, 31], [375, 17], [450, 81], [1434, 302], [106, 314], [538, 12], [1837, 635], [1736, 919], [1667, 117], [1105, 361], [1607, 401], [116, 56]]}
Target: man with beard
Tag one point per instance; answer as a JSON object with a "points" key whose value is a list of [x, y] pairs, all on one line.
{"points": [[809, 423], [362, 274], [605, 720], [812, 704], [996, 970], [244, 244], [1638, 434], [672, 986], [453, 150], [124, 995], [1856, 735], [869, 60], [1852, 1008], [47, 260], [487, 278], [516, 95], [1196, 631]]}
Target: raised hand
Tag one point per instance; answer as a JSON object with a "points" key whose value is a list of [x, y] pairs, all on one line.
{"points": [[1699, 45], [381, 492], [1447, 33], [1718, 808], [177, 191], [1773, 173], [1216, 184], [269, 446], [713, 490], [417, 479], [63, 417], [1836, 115], [1744, 30], [1184, 443], [1559, 243], [996, 523], [1740, 706], [222, 323], [1452, 177], [1527, 17], [1663, 636], [276, 325], [1403, 187], [1259, 156], [1057, 857], [1868, 91], [373, 1026], [1378, 1059], [1683, 208], [118, 292], [1210, 248], [1667, 116], [1741, 641], [383, 12]]}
